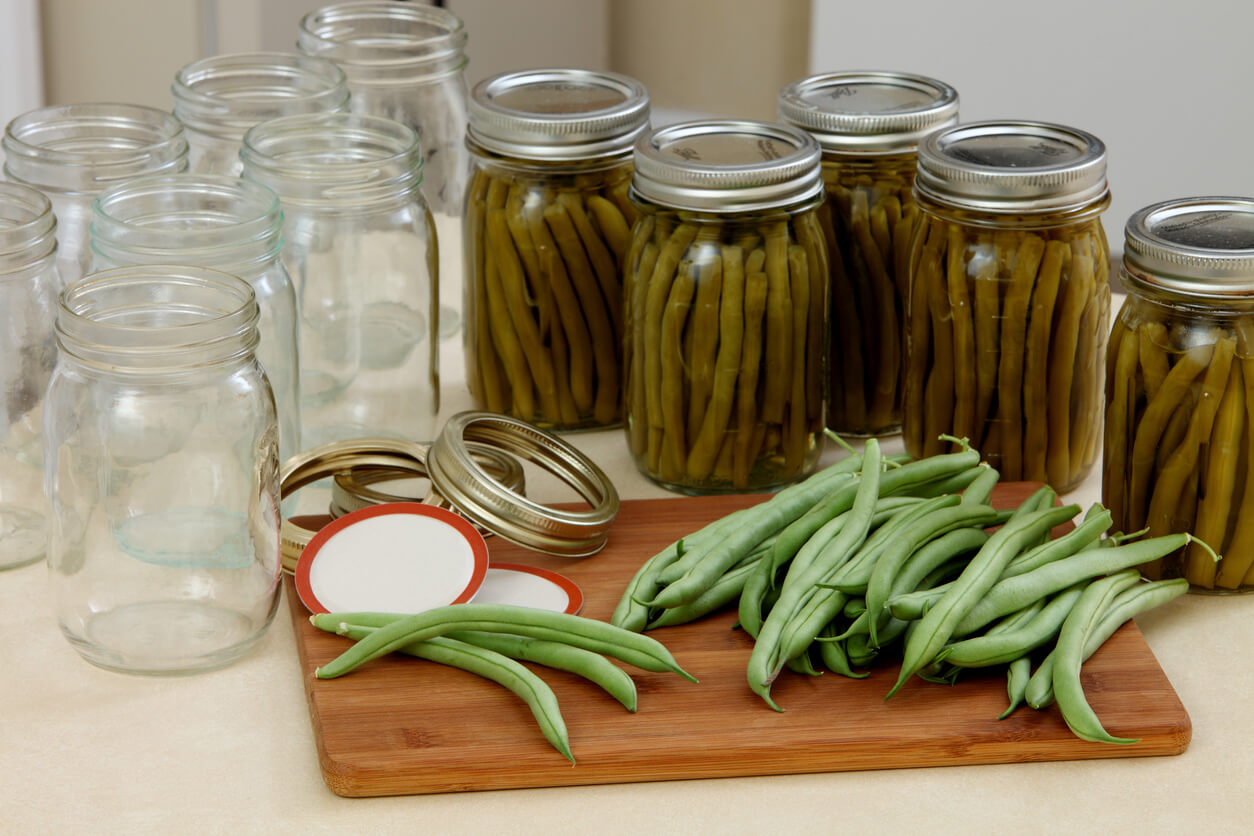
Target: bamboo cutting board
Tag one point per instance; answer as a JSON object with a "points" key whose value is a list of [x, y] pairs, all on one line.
{"points": [[406, 726]]}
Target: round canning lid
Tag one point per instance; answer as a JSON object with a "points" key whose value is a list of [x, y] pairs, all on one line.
{"points": [[1196, 246], [868, 111], [727, 166], [558, 114], [456, 476], [1012, 167]]}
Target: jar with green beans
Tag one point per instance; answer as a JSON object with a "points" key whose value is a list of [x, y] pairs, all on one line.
{"points": [[726, 307], [1180, 388], [1009, 298], [547, 228], [869, 125]]}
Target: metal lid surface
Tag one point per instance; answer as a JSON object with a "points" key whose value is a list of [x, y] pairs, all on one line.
{"points": [[1199, 246], [1012, 167], [558, 114], [727, 166], [459, 478], [869, 111]]}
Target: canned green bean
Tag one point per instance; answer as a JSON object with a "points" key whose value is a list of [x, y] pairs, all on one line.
{"points": [[1009, 298], [726, 307], [547, 226], [869, 125], [1180, 388]]}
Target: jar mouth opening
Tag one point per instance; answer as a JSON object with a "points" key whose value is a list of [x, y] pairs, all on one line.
{"points": [[95, 134], [169, 216], [27, 224], [157, 316], [227, 94], [340, 145], [384, 34]]}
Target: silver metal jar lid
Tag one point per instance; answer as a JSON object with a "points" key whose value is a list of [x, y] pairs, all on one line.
{"points": [[869, 112], [459, 478], [1199, 246], [558, 114], [727, 166], [1012, 167]]}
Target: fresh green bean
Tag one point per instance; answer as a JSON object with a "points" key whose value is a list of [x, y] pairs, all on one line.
{"points": [[995, 648], [938, 623], [981, 488], [1017, 674], [600, 637]]}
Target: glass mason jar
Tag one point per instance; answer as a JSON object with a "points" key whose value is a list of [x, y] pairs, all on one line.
{"points": [[547, 229], [361, 250], [869, 125], [221, 222], [1010, 298], [406, 62], [726, 307], [71, 153], [28, 299], [219, 98], [161, 471], [1180, 388]]}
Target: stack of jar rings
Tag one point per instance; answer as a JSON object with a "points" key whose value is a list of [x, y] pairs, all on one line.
{"points": [[1008, 358], [738, 310], [473, 472], [546, 261]]}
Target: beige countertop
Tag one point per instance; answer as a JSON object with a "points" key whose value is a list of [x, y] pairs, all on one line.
{"points": [[89, 751]]}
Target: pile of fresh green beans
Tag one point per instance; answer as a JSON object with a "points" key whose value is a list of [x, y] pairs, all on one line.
{"points": [[725, 345], [875, 554], [1179, 424], [486, 639], [867, 221], [1005, 345], [544, 331]]}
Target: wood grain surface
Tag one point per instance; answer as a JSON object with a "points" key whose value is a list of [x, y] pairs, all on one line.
{"points": [[406, 726]]}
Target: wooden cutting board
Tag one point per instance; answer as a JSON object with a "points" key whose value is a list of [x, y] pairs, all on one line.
{"points": [[405, 726]]}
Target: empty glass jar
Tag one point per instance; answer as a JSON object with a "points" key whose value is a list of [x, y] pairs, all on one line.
{"points": [[71, 153], [406, 62], [360, 247], [547, 230], [161, 471], [725, 305], [219, 98], [869, 125], [28, 299], [221, 222]]}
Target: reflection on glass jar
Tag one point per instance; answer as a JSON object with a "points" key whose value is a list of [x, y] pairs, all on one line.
{"points": [[726, 307], [869, 125], [360, 248], [71, 153], [1180, 389], [220, 222], [1009, 298], [406, 62], [547, 229], [28, 294], [219, 98], [161, 449]]}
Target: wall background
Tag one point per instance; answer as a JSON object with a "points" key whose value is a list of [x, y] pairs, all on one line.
{"points": [[1162, 83]]}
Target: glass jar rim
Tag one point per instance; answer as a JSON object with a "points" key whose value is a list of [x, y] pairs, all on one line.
{"points": [[395, 143], [206, 100], [166, 232], [88, 146], [381, 35], [210, 318], [27, 226]]}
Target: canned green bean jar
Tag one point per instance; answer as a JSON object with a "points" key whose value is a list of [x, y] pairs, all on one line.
{"points": [[547, 227], [726, 307], [869, 125], [1009, 298], [1180, 388]]}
